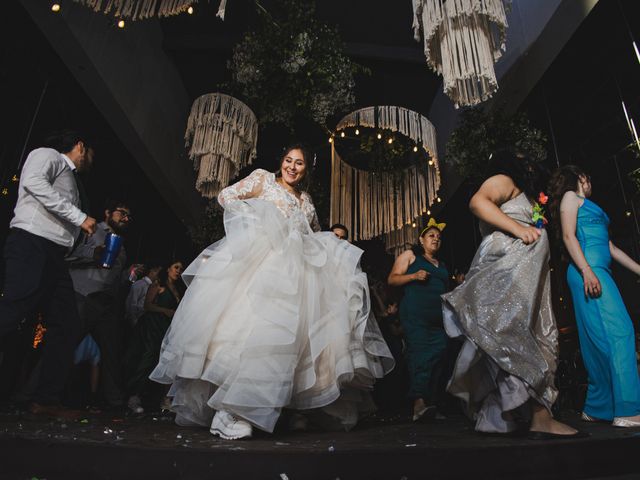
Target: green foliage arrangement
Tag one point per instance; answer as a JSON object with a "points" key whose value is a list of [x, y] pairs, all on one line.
{"points": [[292, 66], [479, 134], [368, 152]]}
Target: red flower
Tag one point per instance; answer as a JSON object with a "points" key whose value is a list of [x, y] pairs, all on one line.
{"points": [[543, 199]]}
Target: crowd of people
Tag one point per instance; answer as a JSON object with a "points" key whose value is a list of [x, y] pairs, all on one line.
{"points": [[278, 317]]}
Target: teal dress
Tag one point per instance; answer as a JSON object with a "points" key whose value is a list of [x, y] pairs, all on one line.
{"points": [[421, 318], [606, 333], [146, 339]]}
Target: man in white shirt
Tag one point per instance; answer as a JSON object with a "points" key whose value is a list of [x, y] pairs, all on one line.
{"points": [[134, 306], [47, 219]]}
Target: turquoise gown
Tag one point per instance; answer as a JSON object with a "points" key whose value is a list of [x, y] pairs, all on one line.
{"points": [[421, 319], [607, 339]]}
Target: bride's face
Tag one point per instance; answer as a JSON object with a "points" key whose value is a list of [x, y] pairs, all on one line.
{"points": [[293, 167]]}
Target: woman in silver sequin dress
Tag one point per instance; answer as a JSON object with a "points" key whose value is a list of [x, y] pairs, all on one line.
{"points": [[503, 313]]}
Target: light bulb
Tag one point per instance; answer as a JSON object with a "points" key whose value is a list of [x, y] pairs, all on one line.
{"points": [[121, 24], [55, 7], [439, 199], [415, 149], [190, 10], [428, 212], [357, 132], [330, 139], [628, 213], [390, 140], [430, 162], [413, 224], [379, 136], [342, 134]]}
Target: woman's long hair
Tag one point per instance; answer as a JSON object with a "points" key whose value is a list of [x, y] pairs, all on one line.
{"points": [[163, 278], [564, 179], [304, 184], [527, 174]]}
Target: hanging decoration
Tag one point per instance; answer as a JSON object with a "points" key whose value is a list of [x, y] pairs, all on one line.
{"points": [[222, 134], [141, 9], [292, 67], [385, 201], [462, 41]]}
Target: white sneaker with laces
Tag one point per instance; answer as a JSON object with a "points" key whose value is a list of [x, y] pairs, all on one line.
{"points": [[229, 426]]}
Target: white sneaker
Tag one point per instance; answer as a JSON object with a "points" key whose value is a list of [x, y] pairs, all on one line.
{"points": [[134, 404], [229, 426], [625, 422]]}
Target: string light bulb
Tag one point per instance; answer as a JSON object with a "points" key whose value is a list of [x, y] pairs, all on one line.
{"points": [[341, 134], [415, 149], [428, 212], [55, 7], [438, 199], [379, 136], [357, 132], [330, 139], [430, 162], [121, 24], [190, 10], [390, 140], [628, 213], [413, 224]]}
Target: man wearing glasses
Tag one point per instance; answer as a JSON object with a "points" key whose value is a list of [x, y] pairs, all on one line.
{"points": [[97, 292]]}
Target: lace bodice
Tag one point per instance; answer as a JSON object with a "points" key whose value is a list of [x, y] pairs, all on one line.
{"points": [[262, 184]]}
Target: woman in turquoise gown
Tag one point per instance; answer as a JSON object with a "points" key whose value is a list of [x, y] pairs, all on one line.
{"points": [[606, 333], [424, 278]]}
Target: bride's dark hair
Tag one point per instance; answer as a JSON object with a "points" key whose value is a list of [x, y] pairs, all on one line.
{"points": [[527, 174], [564, 179], [308, 157]]}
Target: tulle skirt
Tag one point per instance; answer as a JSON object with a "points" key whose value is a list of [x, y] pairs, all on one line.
{"points": [[275, 316]]}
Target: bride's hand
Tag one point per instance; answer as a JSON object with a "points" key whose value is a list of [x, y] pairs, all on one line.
{"points": [[592, 287], [528, 235]]}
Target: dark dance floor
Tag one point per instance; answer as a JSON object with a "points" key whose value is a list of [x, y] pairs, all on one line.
{"points": [[112, 446]]}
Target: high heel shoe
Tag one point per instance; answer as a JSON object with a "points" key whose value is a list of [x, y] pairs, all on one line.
{"points": [[625, 422], [585, 417]]}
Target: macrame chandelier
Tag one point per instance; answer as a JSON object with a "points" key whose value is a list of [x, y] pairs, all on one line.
{"points": [[371, 203], [462, 41], [139, 9], [222, 134]]}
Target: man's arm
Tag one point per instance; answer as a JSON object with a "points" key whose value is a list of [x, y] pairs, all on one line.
{"points": [[38, 175]]}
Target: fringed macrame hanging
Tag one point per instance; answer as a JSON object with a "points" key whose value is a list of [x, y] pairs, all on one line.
{"points": [[222, 134], [371, 204], [140, 9], [462, 41]]}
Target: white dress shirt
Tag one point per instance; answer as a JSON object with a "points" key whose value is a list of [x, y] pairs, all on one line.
{"points": [[48, 198], [134, 306]]}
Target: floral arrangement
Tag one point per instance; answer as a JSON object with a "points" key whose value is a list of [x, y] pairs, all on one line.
{"points": [[538, 211], [292, 66]]}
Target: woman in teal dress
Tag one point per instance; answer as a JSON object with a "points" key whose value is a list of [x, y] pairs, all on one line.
{"points": [[424, 279], [606, 333], [142, 355]]}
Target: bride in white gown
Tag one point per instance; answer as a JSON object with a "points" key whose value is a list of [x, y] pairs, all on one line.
{"points": [[276, 315]]}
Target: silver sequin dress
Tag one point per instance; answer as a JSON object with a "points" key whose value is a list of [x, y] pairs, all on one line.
{"points": [[504, 316]]}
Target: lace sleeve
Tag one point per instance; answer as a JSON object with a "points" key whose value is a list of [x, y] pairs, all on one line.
{"points": [[311, 214], [249, 187]]}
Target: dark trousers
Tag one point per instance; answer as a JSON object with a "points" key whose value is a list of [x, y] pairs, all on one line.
{"points": [[37, 279], [99, 311]]}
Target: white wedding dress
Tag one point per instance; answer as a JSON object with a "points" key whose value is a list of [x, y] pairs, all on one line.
{"points": [[276, 315]]}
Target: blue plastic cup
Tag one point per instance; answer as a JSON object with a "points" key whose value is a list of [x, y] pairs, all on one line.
{"points": [[112, 245]]}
